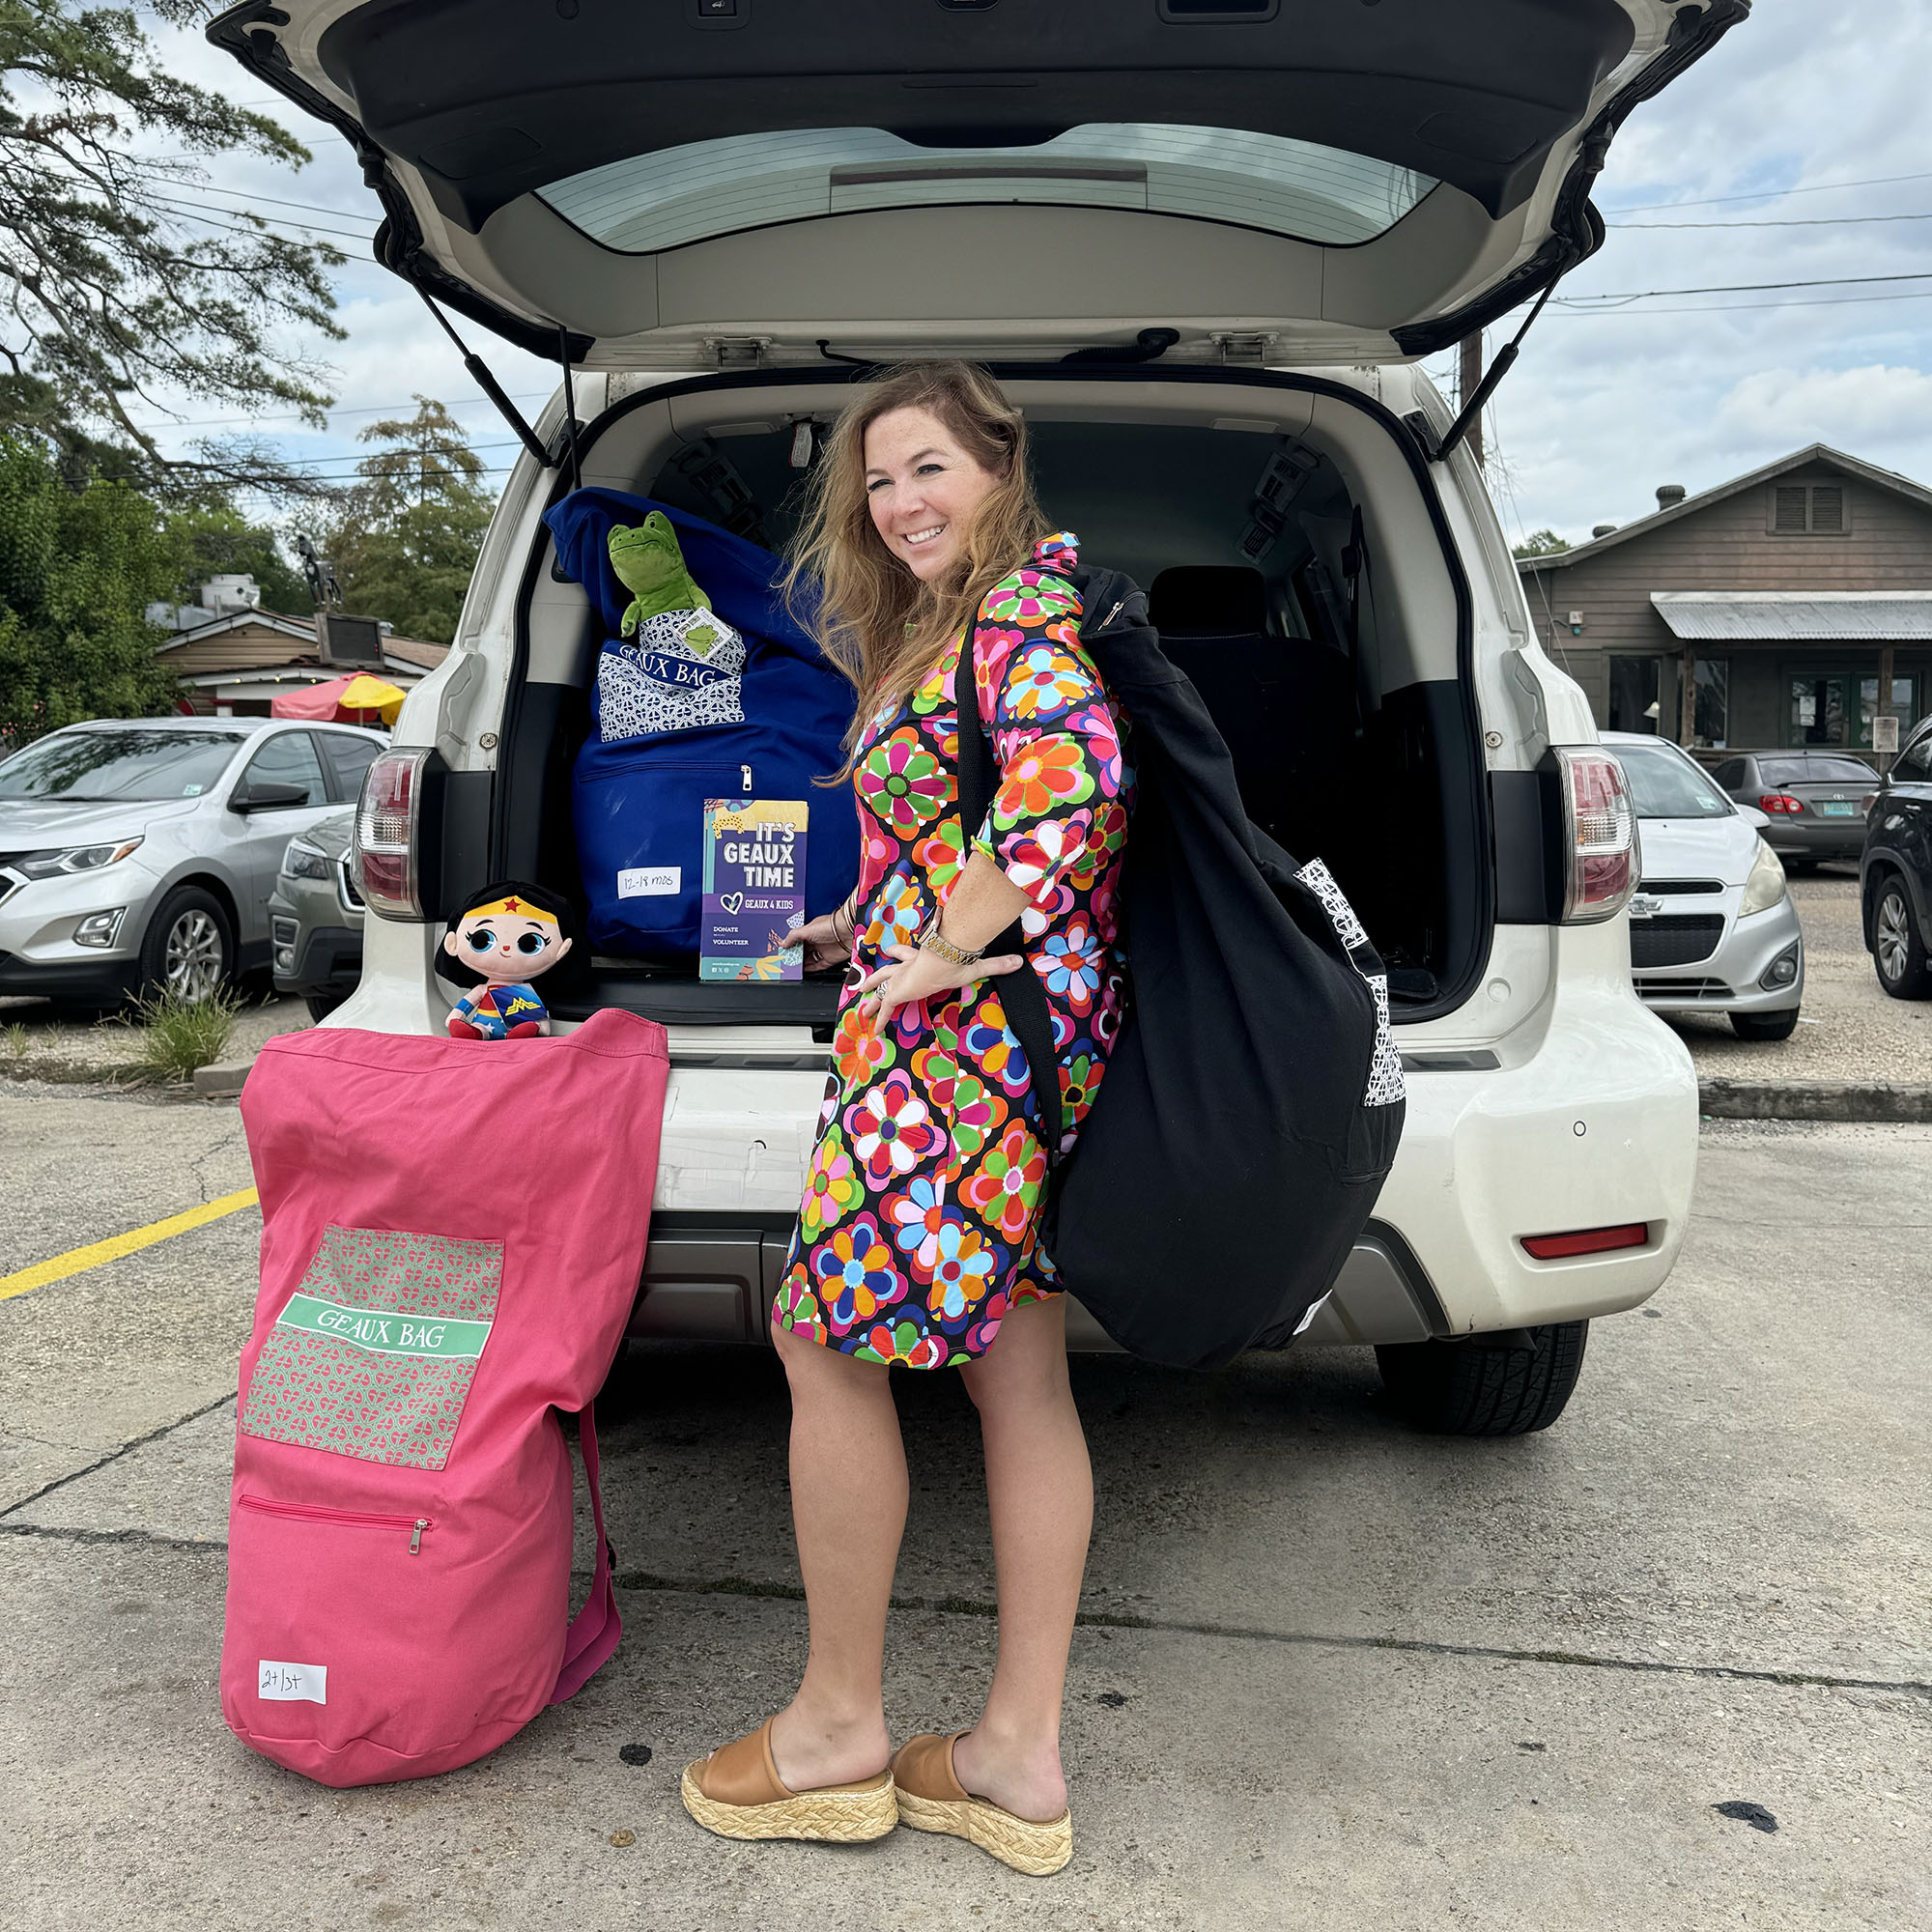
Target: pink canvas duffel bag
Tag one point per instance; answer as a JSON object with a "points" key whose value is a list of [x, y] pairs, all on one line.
{"points": [[452, 1237]]}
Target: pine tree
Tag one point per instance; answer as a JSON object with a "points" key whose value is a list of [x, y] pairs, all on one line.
{"points": [[118, 289], [405, 541]]}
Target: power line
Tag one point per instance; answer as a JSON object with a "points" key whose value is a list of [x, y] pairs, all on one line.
{"points": [[1767, 194], [361, 410], [1812, 222], [183, 210], [249, 195], [1747, 308], [1747, 288], [316, 207]]}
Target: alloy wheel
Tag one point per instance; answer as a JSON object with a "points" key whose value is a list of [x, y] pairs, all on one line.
{"points": [[194, 964], [1894, 935]]}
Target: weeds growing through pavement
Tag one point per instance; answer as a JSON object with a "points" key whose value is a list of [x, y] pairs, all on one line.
{"points": [[17, 1042], [178, 1035]]}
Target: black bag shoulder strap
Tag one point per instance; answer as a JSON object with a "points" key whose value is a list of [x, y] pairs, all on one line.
{"points": [[1021, 994]]}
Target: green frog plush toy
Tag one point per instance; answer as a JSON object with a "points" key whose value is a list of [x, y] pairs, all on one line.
{"points": [[685, 670]]}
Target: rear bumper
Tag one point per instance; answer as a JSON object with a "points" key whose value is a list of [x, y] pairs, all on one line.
{"points": [[1816, 837], [1585, 1116]]}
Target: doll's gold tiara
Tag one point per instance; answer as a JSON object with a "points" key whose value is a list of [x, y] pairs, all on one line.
{"points": [[521, 907]]}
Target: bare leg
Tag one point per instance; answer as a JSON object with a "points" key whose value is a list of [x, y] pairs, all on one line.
{"points": [[1040, 1487], [848, 1505]]}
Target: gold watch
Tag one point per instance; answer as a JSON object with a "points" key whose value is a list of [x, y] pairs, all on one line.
{"points": [[933, 940]]}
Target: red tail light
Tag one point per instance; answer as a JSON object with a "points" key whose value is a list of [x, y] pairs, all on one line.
{"points": [[1587, 1241], [1866, 802], [1600, 839], [388, 819], [1780, 801]]}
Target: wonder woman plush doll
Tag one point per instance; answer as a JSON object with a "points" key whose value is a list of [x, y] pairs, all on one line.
{"points": [[513, 933]]}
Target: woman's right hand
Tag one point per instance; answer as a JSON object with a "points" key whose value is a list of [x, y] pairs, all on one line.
{"points": [[826, 940]]}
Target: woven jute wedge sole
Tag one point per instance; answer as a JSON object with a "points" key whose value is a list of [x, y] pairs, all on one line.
{"points": [[1038, 1850], [834, 1817]]}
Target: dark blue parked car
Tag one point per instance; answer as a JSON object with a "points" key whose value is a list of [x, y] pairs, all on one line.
{"points": [[1895, 870]]}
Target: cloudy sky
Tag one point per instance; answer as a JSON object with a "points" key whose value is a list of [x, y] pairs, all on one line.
{"points": [[1798, 151]]}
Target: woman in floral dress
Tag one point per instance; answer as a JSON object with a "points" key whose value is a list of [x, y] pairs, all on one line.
{"points": [[918, 1240]]}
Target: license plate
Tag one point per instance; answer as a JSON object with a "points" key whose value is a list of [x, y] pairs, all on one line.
{"points": [[1834, 808]]}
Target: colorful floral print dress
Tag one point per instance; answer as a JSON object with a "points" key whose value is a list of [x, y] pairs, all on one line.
{"points": [[920, 1224]]}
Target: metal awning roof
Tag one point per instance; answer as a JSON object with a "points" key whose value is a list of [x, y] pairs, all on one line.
{"points": [[1799, 616]]}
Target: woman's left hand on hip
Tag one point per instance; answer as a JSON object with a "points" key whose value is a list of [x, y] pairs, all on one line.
{"points": [[917, 974]]}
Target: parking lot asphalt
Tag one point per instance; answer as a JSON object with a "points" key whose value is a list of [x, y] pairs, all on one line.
{"points": [[1334, 1673]]}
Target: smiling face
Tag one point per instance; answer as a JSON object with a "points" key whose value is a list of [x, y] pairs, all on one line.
{"points": [[506, 946], [922, 490]]}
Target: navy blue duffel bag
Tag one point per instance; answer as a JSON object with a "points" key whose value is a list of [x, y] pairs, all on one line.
{"points": [[762, 717]]}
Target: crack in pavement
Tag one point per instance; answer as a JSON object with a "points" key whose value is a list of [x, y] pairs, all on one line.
{"points": [[114, 1454], [967, 1606]]}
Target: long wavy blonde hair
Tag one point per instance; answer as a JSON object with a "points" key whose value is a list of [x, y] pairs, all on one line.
{"points": [[881, 625]]}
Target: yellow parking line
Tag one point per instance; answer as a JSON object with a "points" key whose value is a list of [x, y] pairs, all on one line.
{"points": [[77, 1260]]}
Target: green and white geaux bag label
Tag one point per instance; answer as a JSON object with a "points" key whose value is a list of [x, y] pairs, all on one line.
{"points": [[386, 1331]]}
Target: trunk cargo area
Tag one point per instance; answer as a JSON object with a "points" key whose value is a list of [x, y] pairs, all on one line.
{"points": [[1298, 568]]}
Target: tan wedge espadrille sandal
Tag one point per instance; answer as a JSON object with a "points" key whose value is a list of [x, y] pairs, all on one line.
{"points": [[931, 1799], [737, 1793]]}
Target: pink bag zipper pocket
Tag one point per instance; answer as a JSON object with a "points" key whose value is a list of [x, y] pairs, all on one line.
{"points": [[345, 1518]]}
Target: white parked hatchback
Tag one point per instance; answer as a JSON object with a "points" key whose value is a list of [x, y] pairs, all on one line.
{"points": [[1203, 242], [1713, 928]]}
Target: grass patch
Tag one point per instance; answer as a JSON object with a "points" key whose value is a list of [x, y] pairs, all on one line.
{"points": [[18, 1041], [176, 1035]]}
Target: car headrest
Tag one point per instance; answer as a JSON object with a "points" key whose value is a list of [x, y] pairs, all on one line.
{"points": [[1208, 600]]}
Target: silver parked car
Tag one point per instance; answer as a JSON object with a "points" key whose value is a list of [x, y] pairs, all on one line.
{"points": [[1712, 930], [138, 854], [1815, 801], [315, 917]]}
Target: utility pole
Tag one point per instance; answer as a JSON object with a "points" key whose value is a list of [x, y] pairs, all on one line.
{"points": [[1470, 380]]}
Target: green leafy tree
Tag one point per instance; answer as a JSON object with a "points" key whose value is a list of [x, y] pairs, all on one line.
{"points": [[217, 540], [1542, 543], [121, 296], [77, 568], [405, 542]]}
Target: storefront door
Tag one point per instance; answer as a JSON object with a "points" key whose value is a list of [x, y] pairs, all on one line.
{"points": [[1822, 711]]}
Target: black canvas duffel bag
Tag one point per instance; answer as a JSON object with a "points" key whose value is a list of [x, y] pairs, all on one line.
{"points": [[1253, 1102]]}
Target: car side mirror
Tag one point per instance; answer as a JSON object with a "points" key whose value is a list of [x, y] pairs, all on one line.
{"points": [[266, 797], [1751, 816]]}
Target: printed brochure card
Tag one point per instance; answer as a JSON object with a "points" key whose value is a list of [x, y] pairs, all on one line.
{"points": [[753, 889]]}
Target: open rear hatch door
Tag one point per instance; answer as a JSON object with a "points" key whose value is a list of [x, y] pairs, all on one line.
{"points": [[690, 183]]}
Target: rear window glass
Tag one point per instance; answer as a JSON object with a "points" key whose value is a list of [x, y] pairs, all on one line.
{"points": [[1666, 784], [1213, 174], [84, 766], [1815, 771]]}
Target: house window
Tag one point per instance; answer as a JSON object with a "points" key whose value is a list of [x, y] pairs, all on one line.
{"points": [[1633, 687], [1809, 510], [1714, 703]]}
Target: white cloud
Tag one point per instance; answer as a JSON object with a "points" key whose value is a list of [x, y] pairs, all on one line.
{"points": [[1858, 409]]}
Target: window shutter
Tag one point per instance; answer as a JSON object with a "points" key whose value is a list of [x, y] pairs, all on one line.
{"points": [[1828, 509], [1788, 512]]}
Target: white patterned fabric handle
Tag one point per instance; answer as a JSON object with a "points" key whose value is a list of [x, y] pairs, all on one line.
{"points": [[1385, 1081]]}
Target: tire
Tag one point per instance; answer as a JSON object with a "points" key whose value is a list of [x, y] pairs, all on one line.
{"points": [[1765, 1026], [189, 946], [1461, 1388], [1899, 953], [321, 1006]]}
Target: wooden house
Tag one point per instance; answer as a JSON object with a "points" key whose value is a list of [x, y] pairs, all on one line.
{"points": [[1788, 600]]}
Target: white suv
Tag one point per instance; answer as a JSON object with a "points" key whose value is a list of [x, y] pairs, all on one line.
{"points": [[1203, 245]]}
